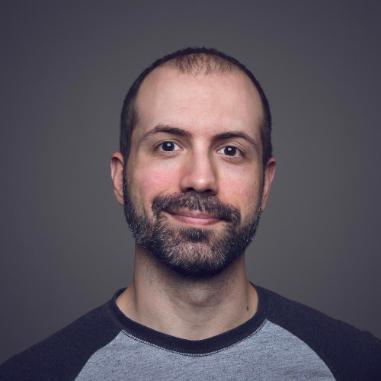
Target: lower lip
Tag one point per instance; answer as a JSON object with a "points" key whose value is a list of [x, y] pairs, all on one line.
{"points": [[194, 220]]}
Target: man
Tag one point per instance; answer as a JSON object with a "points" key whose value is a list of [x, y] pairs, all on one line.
{"points": [[194, 173]]}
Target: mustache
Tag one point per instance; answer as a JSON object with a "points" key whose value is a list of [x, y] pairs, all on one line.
{"points": [[197, 201]]}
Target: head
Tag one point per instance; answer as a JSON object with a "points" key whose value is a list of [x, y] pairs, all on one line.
{"points": [[191, 61], [195, 163]]}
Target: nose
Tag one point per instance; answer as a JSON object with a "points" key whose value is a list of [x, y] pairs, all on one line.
{"points": [[199, 174]]}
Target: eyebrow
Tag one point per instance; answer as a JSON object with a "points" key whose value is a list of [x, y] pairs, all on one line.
{"points": [[236, 134], [168, 130], [163, 128]]}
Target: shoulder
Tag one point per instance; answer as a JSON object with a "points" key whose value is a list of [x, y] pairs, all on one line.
{"points": [[349, 352], [62, 355]]}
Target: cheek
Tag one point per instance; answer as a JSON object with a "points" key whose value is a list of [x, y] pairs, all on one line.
{"points": [[149, 175], [243, 189], [154, 181], [145, 184]]}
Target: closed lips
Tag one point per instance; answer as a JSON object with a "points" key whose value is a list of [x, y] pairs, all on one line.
{"points": [[194, 217]]}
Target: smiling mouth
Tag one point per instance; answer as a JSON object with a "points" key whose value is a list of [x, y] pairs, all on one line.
{"points": [[192, 217]]}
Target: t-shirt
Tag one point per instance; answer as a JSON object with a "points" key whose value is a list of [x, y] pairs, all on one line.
{"points": [[284, 340]]}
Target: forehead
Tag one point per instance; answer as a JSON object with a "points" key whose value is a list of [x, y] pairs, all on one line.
{"points": [[201, 103]]}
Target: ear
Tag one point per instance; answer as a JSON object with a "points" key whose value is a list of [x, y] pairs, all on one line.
{"points": [[269, 173], [116, 166]]}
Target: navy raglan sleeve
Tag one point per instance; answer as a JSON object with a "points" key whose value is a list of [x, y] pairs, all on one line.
{"points": [[62, 355], [350, 354]]}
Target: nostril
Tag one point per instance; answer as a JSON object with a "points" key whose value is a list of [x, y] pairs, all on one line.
{"points": [[206, 192]]}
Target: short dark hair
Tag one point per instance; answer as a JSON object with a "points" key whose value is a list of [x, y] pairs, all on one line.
{"points": [[191, 60]]}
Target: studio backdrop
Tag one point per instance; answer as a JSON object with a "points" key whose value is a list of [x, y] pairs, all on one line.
{"points": [[65, 68]]}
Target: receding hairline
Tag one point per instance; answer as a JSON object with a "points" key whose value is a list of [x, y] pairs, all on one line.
{"points": [[202, 63], [199, 64]]}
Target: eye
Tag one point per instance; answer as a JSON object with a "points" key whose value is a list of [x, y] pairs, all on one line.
{"points": [[231, 151], [167, 146]]}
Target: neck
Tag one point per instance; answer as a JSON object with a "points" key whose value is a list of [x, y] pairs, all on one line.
{"points": [[187, 308]]}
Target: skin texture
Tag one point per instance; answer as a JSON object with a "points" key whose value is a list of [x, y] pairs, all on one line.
{"points": [[203, 107]]}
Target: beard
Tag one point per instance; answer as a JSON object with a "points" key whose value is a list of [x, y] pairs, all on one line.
{"points": [[193, 252]]}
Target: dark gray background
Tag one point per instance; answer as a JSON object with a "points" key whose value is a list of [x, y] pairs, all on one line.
{"points": [[65, 67]]}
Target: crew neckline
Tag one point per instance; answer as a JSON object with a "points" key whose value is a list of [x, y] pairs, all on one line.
{"points": [[177, 344]]}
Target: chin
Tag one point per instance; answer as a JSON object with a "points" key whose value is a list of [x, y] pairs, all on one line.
{"points": [[195, 261]]}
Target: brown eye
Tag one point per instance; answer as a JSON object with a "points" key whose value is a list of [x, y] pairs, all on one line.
{"points": [[167, 146], [230, 151]]}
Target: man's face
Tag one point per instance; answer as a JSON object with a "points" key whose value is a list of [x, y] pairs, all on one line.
{"points": [[195, 181]]}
